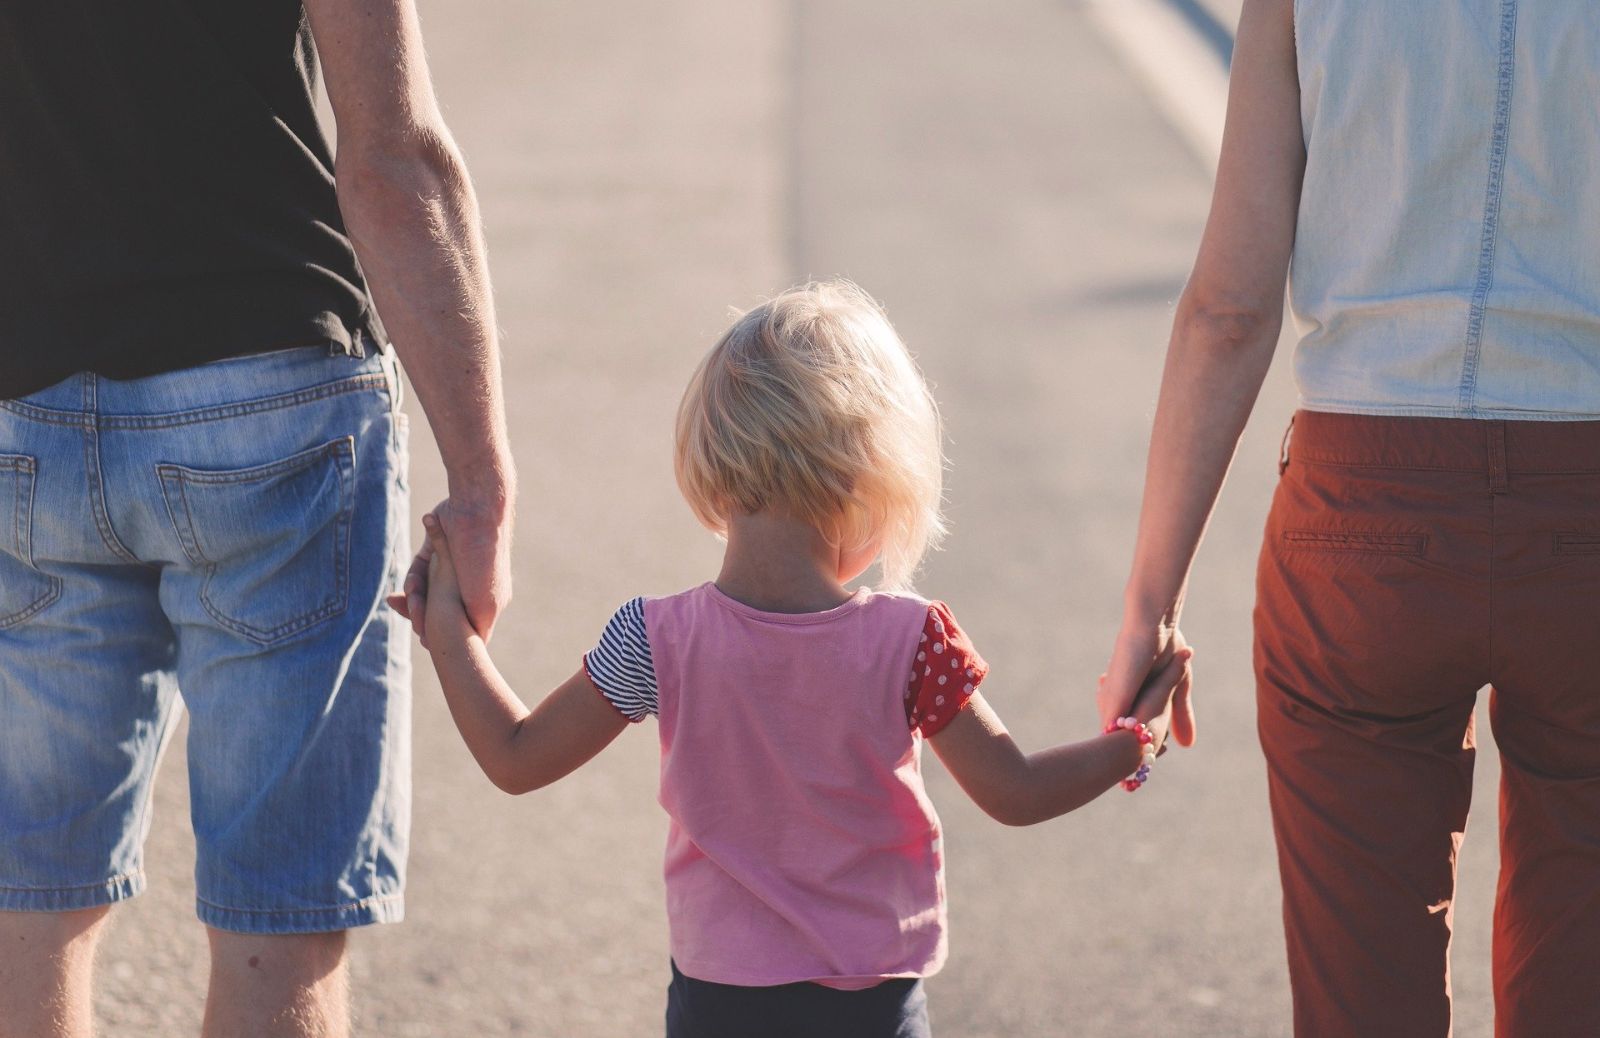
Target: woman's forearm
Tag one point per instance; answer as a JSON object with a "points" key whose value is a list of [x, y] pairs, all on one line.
{"points": [[1215, 366], [1222, 344], [1229, 318]]}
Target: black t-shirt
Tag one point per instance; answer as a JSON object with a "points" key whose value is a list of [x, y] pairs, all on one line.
{"points": [[166, 193]]}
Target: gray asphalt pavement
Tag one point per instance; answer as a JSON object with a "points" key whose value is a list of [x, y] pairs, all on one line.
{"points": [[1224, 11], [992, 174]]}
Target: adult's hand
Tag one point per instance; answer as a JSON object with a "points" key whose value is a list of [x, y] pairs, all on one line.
{"points": [[1142, 651], [480, 545]]}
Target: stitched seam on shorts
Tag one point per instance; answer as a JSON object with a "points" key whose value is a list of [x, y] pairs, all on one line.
{"points": [[24, 509], [1575, 544], [47, 600], [322, 910], [22, 537], [353, 384], [17, 516], [97, 486], [1363, 543], [118, 878], [191, 544], [303, 460]]}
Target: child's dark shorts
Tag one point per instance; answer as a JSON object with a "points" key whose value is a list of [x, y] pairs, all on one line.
{"points": [[701, 1009]]}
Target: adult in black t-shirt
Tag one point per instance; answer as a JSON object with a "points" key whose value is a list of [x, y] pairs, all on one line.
{"points": [[177, 246]]}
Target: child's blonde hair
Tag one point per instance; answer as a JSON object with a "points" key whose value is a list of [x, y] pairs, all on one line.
{"points": [[811, 404]]}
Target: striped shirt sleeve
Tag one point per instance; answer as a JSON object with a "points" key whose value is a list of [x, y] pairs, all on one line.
{"points": [[620, 665]]}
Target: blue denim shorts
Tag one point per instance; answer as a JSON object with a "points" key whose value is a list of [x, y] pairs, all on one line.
{"points": [[224, 536]]}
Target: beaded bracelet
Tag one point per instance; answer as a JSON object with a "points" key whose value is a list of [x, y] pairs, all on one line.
{"points": [[1147, 745]]}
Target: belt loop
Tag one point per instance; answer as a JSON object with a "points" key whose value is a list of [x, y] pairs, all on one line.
{"points": [[1497, 458], [391, 371], [1283, 447], [357, 347]]}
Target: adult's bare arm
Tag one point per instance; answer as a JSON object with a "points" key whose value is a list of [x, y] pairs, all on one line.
{"points": [[1223, 337], [411, 212]]}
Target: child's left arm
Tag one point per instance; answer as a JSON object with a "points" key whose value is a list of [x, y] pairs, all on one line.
{"points": [[1018, 788], [518, 749]]}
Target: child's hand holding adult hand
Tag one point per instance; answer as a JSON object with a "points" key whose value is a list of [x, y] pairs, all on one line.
{"points": [[1142, 654], [1166, 688], [483, 560], [445, 615]]}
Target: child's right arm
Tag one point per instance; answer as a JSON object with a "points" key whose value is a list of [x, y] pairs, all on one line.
{"points": [[1018, 788], [518, 749]]}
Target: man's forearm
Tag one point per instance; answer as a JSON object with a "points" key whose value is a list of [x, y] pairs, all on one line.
{"points": [[411, 212]]}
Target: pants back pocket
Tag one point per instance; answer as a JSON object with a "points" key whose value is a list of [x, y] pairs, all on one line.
{"points": [[24, 591], [271, 542]]}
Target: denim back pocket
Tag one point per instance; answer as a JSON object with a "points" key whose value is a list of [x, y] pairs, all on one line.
{"points": [[23, 590], [272, 542]]}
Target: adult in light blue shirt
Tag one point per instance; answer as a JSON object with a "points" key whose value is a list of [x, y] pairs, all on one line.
{"points": [[1424, 174]]}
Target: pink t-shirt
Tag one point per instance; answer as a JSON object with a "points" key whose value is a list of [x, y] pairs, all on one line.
{"points": [[802, 844]]}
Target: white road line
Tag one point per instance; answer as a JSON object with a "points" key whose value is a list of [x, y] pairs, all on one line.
{"points": [[1177, 67]]}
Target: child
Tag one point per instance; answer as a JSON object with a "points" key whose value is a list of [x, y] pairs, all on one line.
{"points": [[804, 869]]}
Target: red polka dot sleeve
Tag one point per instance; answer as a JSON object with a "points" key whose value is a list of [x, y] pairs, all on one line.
{"points": [[945, 672]]}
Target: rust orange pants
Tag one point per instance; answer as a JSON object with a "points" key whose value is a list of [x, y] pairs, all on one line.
{"points": [[1409, 562]]}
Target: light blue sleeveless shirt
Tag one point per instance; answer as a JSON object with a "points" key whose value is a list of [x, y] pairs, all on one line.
{"points": [[1447, 257]]}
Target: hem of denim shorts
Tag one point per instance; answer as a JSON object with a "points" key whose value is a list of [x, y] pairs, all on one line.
{"points": [[390, 908], [120, 887], [1476, 414]]}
